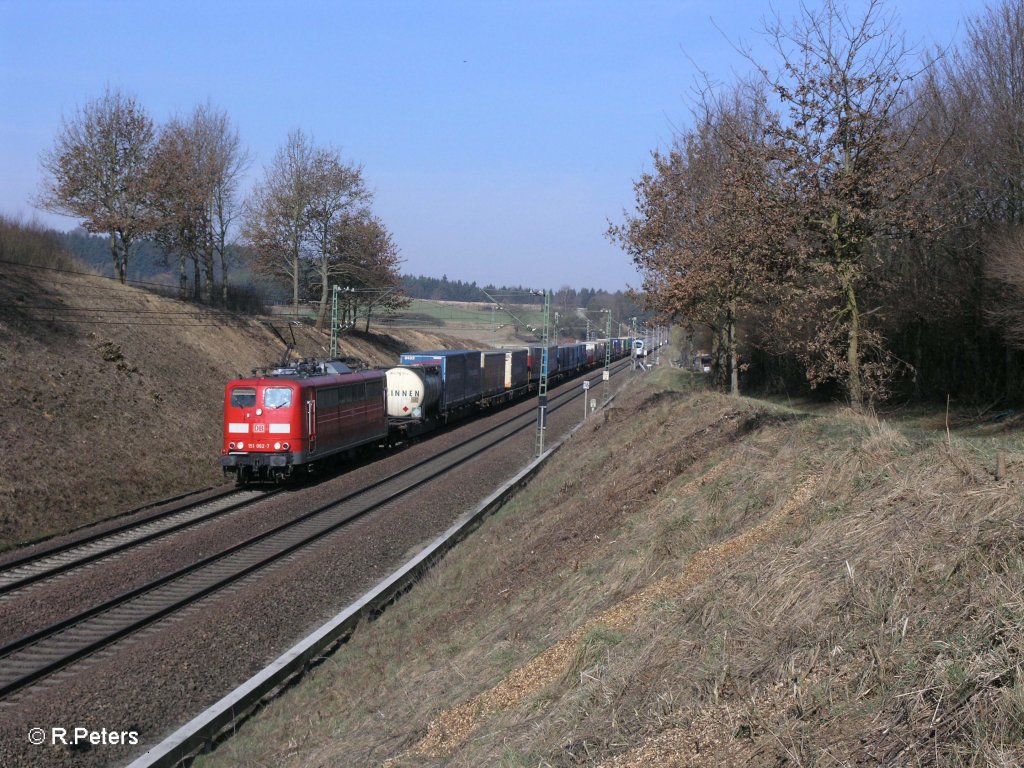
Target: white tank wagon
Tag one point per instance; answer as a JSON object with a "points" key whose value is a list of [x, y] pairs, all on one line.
{"points": [[413, 392]]}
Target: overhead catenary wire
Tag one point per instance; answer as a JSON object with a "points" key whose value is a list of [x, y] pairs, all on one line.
{"points": [[105, 288], [68, 308], [45, 285], [113, 280], [137, 325]]}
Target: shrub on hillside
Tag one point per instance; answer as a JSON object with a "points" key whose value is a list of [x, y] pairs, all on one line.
{"points": [[35, 246]]}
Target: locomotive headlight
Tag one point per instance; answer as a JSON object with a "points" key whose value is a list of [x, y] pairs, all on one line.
{"points": [[241, 446], [277, 446], [231, 446], [286, 446]]}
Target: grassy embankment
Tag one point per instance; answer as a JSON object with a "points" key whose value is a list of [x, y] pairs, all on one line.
{"points": [[700, 580]]}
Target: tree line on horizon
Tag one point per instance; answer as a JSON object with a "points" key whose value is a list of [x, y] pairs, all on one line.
{"points": [[444, 289], [851, 216]]}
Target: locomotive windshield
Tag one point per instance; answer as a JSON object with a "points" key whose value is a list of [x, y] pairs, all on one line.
{"points": [[277, 397], [243, 397]]}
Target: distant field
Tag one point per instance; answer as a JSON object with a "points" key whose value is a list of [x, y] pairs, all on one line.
{"points": [[483, 315], [482, 322]]}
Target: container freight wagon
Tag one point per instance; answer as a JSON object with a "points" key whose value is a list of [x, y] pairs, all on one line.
{"points": [[562, 354], [492, 367], [461, 376], [570, 358], [536, 359], [517, 369], [506, 375]]}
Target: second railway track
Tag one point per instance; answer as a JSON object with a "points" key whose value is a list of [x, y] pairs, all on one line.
{"points": [[60, 559]]}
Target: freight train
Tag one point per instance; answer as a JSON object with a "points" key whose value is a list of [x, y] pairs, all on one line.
{"points": [[282, 422]]}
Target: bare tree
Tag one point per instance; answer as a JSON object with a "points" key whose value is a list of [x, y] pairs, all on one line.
{"points": [[1004, 265], [295, 217], [97, 171], [698, 236], [228, 161], [338, 197], [275, 221], [181, 180], [194, 177], [986, 82], [367, 262], [846, 180]]}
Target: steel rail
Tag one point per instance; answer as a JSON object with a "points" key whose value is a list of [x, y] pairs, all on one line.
{"points": [[57, 560], [71, 544]]}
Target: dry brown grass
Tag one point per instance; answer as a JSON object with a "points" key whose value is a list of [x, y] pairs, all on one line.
{"points": [[569, 655], [706, 582], [112, 397]]}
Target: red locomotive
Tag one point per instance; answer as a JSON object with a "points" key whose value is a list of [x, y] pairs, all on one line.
{"points": [[288, 419]]}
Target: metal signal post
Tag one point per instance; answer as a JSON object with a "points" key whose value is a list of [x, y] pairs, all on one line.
{"points": [[334, 321], [542, 386], [606, 378]]}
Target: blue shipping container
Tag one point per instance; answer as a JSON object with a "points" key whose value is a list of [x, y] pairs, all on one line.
{"points": [[492, 363], [517, 372], [535, 361]]}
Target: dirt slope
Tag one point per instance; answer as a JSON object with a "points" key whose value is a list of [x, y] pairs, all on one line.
{"points": [[111, 396]]}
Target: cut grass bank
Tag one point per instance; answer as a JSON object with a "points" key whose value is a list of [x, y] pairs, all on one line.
{"points": [[699, 580]]}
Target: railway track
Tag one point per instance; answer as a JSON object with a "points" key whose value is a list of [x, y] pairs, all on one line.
{"points": [[34, 656], [60, 559]]}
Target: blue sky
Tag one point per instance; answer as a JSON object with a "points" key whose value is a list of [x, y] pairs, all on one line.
{"points": [[499, 137]]}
